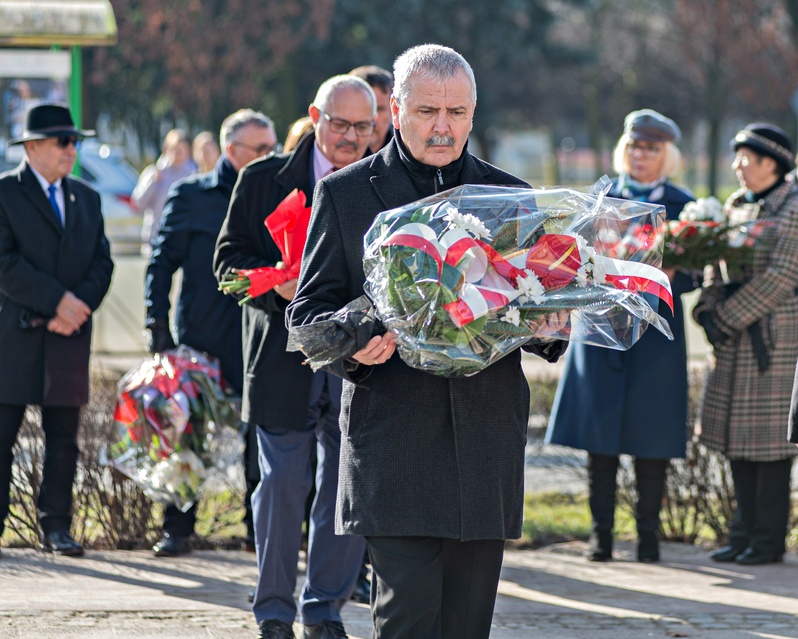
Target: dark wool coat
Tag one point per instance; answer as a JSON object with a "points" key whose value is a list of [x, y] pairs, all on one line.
{"points": [[39, 262], [421, 455], [206, 318], [632, 402], [276, 384], [744, 412]]}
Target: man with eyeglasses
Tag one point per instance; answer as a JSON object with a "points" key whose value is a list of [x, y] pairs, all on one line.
{"points": [[294, 410], [204, 318], [55, 269]]}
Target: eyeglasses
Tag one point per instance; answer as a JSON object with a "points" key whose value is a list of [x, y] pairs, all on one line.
{"points": [[339, 125], [645, 150], [63, 141], [261, 149]]}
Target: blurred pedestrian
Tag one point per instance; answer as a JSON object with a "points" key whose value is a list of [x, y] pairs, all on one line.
{"points": [[152, 188], [205, 151], [55, 269], [205, 318], [749, 318], [603, 399], [431, 467], [295, 410], [381, 82]]}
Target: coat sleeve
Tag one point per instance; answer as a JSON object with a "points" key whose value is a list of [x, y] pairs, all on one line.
{"points": [[766, 291], [168, 254], [325, 278], [243, 242]]}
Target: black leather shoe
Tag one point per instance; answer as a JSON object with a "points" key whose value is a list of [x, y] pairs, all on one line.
{"points": [[171, 546], [753, 557], [251, 596], [726, 554], [326, 630], [274, 629], [60, 542]]}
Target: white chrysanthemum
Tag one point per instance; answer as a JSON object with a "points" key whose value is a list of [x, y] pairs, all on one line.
{"points": [[531, 287], [581, 242], [470, 223], [512, 316], [599, 273], [705, 209]]}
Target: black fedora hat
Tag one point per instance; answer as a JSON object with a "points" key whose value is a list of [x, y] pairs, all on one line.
{"points": [[49, 121]]}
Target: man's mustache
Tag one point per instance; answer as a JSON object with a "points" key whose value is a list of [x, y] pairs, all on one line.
{"points": [[344, 143], [440, 140]]}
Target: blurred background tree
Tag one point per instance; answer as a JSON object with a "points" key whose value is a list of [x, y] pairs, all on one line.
{"points": [[571, 68]]}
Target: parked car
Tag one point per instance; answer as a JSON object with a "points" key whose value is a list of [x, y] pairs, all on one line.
{"points": [[106, 169]]}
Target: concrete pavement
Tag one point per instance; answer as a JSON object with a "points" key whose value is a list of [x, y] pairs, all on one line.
{"points": [[553, 593]]}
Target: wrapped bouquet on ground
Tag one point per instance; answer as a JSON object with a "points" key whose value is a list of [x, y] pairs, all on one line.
{"points": [[470, 274], [175, 425]]}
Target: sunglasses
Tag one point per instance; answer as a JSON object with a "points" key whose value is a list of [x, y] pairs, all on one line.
{"points": [[63, 141]]}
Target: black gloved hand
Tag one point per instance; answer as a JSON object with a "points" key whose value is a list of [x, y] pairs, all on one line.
{"points": [[160, 338], [714, 334]]}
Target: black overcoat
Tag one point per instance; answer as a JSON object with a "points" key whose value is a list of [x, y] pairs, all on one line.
{"points": [[420, 455], [39, 262], [205, 318], [276, 384]]}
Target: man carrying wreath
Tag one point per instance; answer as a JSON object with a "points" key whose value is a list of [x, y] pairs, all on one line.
{"points": [[294, 409], [431, 467]]}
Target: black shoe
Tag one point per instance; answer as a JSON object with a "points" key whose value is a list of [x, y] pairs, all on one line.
{"points": [[600, 546], [60, 542], [326, 630], [647, 548], [251, 596], [753, 557], [171, 546], [727, 554], [274, 629]]}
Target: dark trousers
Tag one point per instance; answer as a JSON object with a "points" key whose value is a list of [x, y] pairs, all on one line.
{"points": [[762, 490], [60, 425], [602, 478], [433, 588], [181, 524]]}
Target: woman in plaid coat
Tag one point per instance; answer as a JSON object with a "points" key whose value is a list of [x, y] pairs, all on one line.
{"points": [[749, 318]]}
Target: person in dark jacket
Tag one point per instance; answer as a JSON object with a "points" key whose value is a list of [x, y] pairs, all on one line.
{"points": [[604, 399], [749, 318], [294, 409], [431, 467], [381, 82], [55, 269], [205, 318]]}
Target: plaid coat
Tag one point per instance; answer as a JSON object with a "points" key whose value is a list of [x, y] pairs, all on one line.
{"points": [[744, 412]]}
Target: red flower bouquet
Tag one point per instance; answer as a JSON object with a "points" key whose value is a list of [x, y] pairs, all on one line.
{"points": [[288, 226]]}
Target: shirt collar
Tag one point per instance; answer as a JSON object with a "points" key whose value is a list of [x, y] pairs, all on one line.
{"points": [[321, 165], [43, 181]]}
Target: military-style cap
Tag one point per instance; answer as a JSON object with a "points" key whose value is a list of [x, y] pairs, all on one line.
{"points": [[768, 140], [649, 126]]}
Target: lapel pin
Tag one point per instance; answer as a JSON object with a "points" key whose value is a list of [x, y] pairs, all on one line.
{"points": [[71, 197]]}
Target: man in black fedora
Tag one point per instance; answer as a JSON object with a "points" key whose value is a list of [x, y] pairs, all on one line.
{"points": [[55, 269]]}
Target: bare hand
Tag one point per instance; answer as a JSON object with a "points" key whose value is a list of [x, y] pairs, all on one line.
{"points": [[55, 325], [286, 290], [72, 312], [377, 351], [552, 324]]}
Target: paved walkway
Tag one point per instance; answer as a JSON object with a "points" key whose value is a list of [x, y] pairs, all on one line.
{"points": [[545, 594]]}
